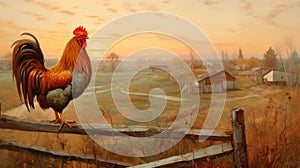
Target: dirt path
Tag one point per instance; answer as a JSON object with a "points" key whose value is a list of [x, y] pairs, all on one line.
{"points": [[252, 94], [172, 98], [69, 112]]}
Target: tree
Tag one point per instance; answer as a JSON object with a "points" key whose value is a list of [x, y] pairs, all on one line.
{"points": [[293, 61], [5, 61], [240, 62], [270, 60], [224, 55], [295, 57], [252, 62], [241, 56], [113, 59]]}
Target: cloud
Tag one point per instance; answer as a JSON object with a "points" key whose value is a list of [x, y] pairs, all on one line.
{"points": [[231, 30], [132, 10], [47, 6], [37, 16], [112, 10], [277, 10], [96, 17], [210, 3], [66, 12], [99, 20], [93, 16], [61, 23], [247, 6], [98, 23], [53, 31], [9, 25], [148, 6], [127, 4], [3, 4], [106, 4]]}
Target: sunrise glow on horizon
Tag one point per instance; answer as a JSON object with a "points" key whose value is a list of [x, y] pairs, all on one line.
{"points": [[253, 26]]}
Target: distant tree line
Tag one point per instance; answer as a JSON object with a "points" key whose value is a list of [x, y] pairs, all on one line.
{"points": [[6, 62], [270, 61]]}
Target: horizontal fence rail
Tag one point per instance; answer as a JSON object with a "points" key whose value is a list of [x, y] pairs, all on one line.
{"points": [[60, 154], [7, 122], [200, 154]]}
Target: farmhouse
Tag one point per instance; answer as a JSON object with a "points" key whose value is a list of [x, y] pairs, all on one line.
{"points": [[279, 77], [188, 82], [219, 81]]}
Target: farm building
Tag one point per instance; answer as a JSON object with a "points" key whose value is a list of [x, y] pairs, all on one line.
{"points": [[279, 77], [255, 74], [219, 81], [189, 83]]}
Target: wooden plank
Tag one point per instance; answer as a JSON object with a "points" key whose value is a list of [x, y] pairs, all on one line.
{"points": [[200, 154], [240, 156], [7, 122], [39, 126], [60, 154]]}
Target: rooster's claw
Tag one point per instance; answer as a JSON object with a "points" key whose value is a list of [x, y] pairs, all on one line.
{"points": [[55, 121], [63, 122]]}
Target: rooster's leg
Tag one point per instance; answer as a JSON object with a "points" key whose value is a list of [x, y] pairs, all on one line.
{"points": [[63, 122], [57, 118]]}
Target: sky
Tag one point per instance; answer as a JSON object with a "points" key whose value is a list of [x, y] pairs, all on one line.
{"points": [[253, 26]]}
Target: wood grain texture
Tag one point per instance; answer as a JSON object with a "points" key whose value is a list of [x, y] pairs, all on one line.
{"points": [[104, 129]]}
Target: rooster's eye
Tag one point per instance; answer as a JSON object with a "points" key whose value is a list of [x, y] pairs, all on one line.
{"points": [[82, 41]]}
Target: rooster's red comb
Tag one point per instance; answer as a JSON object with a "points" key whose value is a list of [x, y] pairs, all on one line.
{"points": [[80, 30]]}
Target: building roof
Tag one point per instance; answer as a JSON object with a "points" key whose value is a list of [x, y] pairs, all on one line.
{"points": [[270, 71], [204, 76], [196, 72], [256, 68], [279, 76]]}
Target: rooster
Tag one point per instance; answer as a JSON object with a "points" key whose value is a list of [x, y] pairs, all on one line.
{"points": [[55, 87]]}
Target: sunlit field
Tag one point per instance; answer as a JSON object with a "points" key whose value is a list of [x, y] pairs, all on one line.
{"points": [[269, 140]]}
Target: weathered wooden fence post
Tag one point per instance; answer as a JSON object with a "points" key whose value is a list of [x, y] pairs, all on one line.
{"points": [[240, 156]]}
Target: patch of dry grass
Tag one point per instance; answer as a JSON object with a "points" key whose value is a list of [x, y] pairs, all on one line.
{"points": [[273, 133], [244, 82], [9, 97]]}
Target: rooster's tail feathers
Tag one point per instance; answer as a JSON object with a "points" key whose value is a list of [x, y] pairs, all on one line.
{"points": [[28, 68]]}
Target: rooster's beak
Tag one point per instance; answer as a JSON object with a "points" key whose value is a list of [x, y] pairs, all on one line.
{"points": [[87, 37]]}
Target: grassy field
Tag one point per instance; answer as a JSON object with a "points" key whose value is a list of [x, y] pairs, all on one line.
{"points": [[269, 141], [142, 83], [9, 96]]}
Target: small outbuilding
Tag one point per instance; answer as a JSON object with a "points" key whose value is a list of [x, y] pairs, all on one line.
{"points": [[279, 77], [255, 74], [219, 81]]}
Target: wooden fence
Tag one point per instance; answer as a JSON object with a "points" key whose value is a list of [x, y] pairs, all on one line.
{"points": [[234, 142]]}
